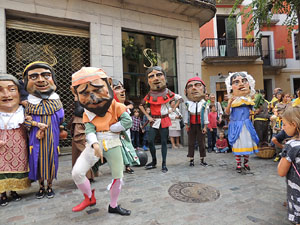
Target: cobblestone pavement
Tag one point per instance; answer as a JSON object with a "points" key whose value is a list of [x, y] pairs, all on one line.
{"points": [[254, 198]]}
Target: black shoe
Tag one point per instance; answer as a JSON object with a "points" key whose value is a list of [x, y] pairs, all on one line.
{"points": [[209, 150], [150, 166], [41, 193], [91, 180], [164, 169], [15, 196], [119, 210], [50, 192], [247, 167], [192, 162], [3, 200], [129, 170], [239, 169], [203, 164]]}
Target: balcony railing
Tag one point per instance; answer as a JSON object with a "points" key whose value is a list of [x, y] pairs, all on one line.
{"points": [[274, 58], [221, 47]]}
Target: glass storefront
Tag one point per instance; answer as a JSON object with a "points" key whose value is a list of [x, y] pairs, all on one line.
{"points": [[141, 51]]}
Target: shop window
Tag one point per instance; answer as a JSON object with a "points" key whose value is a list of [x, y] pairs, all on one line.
{"points": [[141, 51]]}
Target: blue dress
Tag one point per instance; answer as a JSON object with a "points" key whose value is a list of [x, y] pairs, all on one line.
{"points": [[241, 133]]}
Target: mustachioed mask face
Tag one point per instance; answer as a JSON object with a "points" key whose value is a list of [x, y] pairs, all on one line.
{"points": [[95, 96], [195, 91], [40, 83], [157, 80]]}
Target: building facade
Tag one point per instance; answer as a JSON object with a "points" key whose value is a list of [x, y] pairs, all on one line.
{"points": [[226, 47], [122, 37]]}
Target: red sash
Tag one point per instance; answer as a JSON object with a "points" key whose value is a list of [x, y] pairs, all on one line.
{"points": [[193, 119]]}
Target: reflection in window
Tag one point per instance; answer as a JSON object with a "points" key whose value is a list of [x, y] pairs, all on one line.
{"points": [[141, 51]]}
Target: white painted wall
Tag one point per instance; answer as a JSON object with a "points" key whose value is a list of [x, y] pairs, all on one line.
{"points": [[106, 24]]}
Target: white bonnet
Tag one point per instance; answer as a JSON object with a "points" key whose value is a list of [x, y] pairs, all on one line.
{"points": [[243, 73]]}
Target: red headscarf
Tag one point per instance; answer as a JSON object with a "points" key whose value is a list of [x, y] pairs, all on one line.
{"points": [[116, 98]]}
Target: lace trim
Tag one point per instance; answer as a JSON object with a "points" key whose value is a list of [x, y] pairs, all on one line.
{"points": [[13, 120]]}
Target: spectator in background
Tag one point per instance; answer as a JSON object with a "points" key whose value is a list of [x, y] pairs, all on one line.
{"points": [[274, 99], [275, 123], [277, 99], [279, 141], [212, 128], [261, 117], [218, 106], [206, 98], [145, 129], [135, 129], [287, 99], [174, 129], [224, 103], [297, 100], [221, 144]]}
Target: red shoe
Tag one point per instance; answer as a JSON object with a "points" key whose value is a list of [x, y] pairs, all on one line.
{"points": [[86, 202]]}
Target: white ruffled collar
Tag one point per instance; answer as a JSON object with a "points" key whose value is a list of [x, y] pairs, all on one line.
{"points": [[90, 114], [13, 120], [192, 102], [36, 100]]}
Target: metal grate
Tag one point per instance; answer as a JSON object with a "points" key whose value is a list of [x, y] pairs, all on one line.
{"points": [[66, 54]]}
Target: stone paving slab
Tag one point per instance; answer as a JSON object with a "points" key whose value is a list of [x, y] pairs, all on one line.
{"points": [[252, 198]]}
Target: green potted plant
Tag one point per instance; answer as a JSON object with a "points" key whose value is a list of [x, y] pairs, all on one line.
{"points": [[249, 38], [132, 50], [280, 50]]}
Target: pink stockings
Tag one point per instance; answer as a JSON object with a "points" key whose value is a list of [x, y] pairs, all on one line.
{"points": [[85, 188], [115, 190]]}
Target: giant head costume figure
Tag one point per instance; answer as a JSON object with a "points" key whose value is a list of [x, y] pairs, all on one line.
{"points": [[119, 91], [9, 93], [240, 84], [156, 78], [93, 89], [195, 89], [39, 79]]}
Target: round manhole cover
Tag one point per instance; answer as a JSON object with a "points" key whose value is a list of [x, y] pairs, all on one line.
{"points": [[193, 192]]}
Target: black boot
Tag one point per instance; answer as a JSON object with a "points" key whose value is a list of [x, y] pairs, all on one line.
{"points": [[164, 168]]}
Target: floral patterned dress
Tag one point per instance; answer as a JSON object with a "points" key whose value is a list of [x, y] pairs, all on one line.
{"points": [[14, 153]]}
